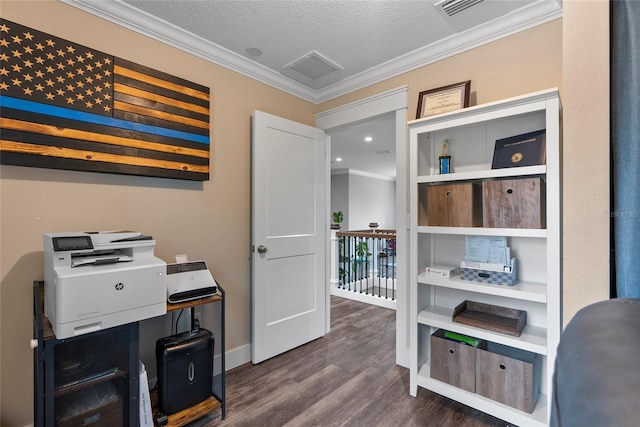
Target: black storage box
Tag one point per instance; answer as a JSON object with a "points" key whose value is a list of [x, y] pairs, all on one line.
{"points": [[185, 370]]}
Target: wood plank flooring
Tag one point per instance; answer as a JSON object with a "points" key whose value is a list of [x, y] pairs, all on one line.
{"points": [[347, 378]]}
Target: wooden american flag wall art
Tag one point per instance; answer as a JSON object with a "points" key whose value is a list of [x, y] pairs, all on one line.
{"points": [[67, 106]]}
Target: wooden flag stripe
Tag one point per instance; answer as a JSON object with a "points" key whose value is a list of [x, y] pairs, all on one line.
{"points": [[118, 96], [79, 144], [61, 122], [117, 69], [122, 106], [156, 122], [93, 156], [34, 160], [126, 81], [161, 75], [44, 129], [134, 92]]}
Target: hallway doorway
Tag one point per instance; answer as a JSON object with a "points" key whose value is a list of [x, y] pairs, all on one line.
{"points": [[391, 104]]}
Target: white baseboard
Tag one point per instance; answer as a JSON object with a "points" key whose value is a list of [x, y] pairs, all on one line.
{"points": [[238, 356]]}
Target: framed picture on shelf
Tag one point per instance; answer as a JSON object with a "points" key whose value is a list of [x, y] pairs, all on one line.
{"points": [[443, 99]]}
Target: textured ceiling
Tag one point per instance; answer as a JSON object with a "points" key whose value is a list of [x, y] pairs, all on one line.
{"points": [[365, 41], [357, 35], [362, 42]]}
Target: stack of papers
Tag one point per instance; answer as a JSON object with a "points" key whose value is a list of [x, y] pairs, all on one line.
{"points": [[487, 253]]}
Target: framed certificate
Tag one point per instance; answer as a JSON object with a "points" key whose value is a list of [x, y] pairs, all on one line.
{"points": [[443, 99]]}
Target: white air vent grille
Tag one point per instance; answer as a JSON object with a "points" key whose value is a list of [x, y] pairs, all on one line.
{"points": [[452, 7], [465, 14], [313, 65]]}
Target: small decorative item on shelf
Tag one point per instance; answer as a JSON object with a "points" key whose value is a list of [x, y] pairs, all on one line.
{"points": [[528, 149], [336, 219], [445, 159]]}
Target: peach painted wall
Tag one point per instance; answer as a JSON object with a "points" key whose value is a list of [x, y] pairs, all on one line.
{"points": [[211, 220], [522, 63], [586, 154]]}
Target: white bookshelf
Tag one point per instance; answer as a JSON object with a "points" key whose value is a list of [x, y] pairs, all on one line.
{"points": [[472, 133]]}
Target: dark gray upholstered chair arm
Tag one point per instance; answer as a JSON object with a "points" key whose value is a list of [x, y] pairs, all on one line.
{"points": [[596, 379]]}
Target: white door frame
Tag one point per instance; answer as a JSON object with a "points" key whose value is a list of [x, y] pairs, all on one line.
{"points": [[394, 100]]}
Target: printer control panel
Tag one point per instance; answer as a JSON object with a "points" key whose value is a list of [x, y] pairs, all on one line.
{"points": [[71, 243]]}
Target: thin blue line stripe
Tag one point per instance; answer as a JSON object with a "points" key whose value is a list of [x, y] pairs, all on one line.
{"points": [[51, 110]]}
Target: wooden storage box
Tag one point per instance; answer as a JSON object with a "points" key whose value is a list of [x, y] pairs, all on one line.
{"points": [[453, 362], [513, 203], [508, 375], [454, 205], [492, 317]]}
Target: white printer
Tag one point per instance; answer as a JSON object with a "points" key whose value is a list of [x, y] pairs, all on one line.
{"points": [[98, 280]]}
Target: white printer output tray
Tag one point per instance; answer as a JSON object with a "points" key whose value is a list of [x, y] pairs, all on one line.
{"points": [[97, 280], [189, 281]]}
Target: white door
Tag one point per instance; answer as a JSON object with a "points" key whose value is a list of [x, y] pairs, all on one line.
{"points": [[289, 237]]}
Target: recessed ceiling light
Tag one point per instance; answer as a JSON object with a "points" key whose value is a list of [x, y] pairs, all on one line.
{"points": [[368, 139], [338, 159]]}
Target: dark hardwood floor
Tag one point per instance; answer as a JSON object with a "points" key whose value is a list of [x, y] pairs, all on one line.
{"points": [[347, 378]]}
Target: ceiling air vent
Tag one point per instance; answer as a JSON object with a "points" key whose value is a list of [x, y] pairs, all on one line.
{"points": [[465, 14], [313, 65], [451, 7], [313, 69]]}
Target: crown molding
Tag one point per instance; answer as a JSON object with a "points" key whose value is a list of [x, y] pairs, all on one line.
{"points": [[375, 105], [532, 16], [143, 23], [122, 14]]}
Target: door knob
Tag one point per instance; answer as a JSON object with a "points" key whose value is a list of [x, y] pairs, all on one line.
{"points": [[262, 249]]}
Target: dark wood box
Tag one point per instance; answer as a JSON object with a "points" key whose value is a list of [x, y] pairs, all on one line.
{"points": [[454, 205], [491, 317], [453, 362], [508, 375], [514, 203]]}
